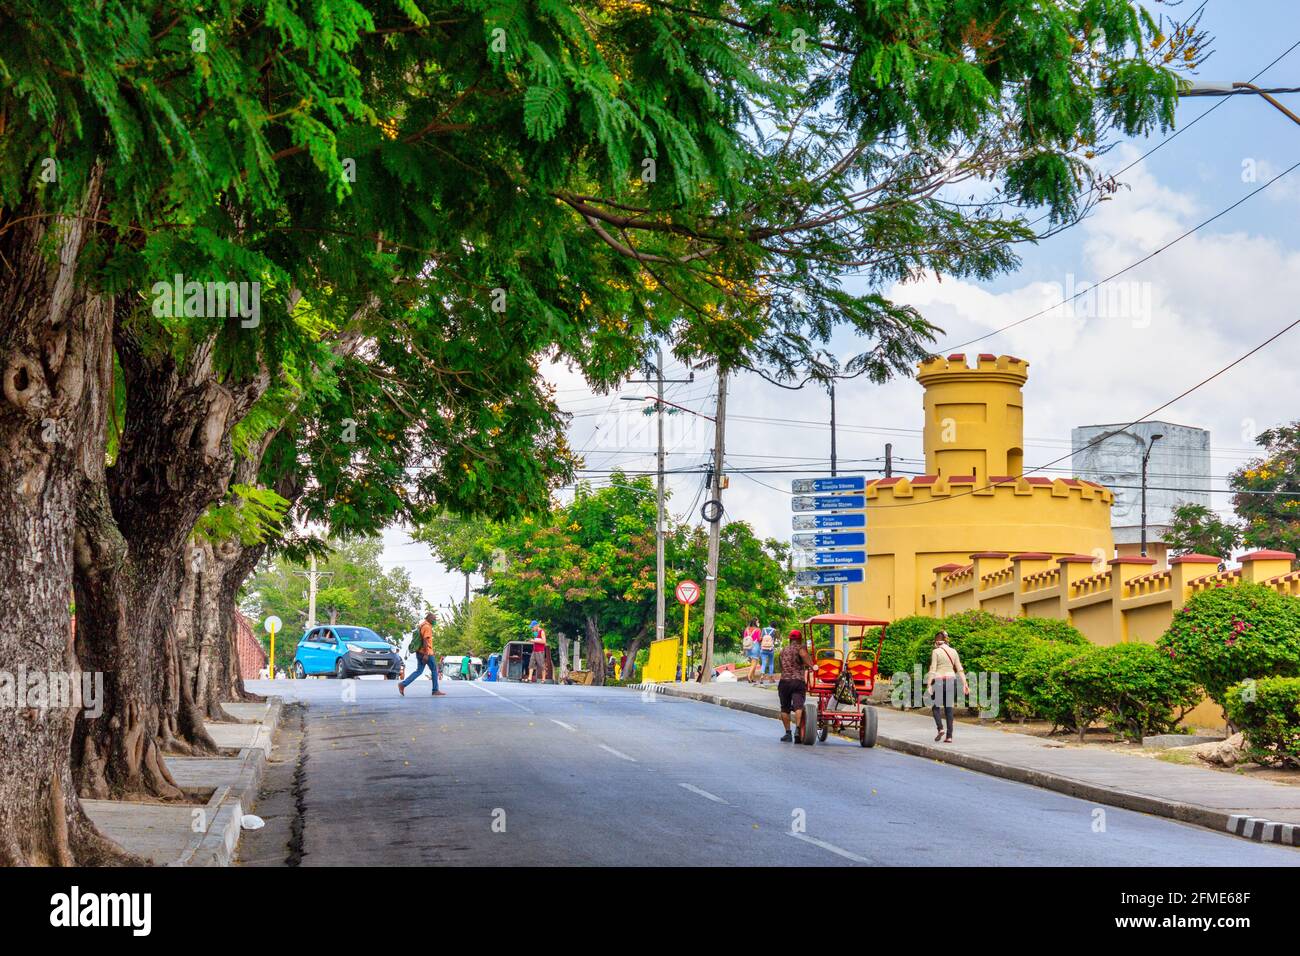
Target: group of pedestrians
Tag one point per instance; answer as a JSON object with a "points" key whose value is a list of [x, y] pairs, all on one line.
{"points": [[944, 672], [760, 646]]}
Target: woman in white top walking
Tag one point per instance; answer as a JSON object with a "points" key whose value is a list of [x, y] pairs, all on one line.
{"points": [[945, 668]]}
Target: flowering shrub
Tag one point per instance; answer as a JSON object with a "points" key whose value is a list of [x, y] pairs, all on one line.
{"points": [[1228, 634]]}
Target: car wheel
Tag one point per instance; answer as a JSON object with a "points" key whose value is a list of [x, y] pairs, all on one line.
{"points": [[299, 672], [390, 677], [340, 672], [809, 723], [867, 732]]}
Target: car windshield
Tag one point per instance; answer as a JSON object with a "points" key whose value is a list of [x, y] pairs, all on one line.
{"points": [[357, 634]]}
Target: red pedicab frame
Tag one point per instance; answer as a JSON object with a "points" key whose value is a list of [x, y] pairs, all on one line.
{"points": [[828, 663]]}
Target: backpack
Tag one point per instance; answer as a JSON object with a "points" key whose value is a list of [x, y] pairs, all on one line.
{"points": [[748, 640], [769, 638], [416, 640]]}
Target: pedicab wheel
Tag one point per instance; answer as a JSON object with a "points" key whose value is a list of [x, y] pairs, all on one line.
{"points": [[809, 723], [822, 732], [867, 729]]}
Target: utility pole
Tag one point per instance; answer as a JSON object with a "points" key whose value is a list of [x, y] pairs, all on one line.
{"points": [[660, 597], [1146, 457], [312, 576], [661, 409], [713, 514]]}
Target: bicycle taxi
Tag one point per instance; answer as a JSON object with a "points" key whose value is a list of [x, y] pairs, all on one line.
{"points": [[823, 708]]}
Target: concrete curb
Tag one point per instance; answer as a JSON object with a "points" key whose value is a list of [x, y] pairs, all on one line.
{"points": [[216, 845], [1250, 828]]}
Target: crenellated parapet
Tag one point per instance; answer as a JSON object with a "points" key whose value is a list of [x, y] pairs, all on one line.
{"points": [[883, 491]]}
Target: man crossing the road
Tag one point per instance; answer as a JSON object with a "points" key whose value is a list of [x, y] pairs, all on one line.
{"points": [[424, 654], [795, 664]]}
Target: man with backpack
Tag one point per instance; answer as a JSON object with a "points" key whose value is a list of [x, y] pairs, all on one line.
{"points": [[423, 643]]}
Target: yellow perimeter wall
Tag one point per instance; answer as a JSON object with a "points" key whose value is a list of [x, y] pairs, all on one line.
{"points": [[1110, 602]]}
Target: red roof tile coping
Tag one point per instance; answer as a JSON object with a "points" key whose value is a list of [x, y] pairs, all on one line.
{"points": [[1132, 559], [1076, 559], [1195, 559], [990, 554], [925, 479], [948, 567], [1267, 555], [988, 357], [957, 357], [1031, 556]]}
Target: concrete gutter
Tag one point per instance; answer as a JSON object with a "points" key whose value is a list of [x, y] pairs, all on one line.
{"points": [[1238, 824]]}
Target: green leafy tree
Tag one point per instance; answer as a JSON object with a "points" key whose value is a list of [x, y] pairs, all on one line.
{"points": [[1268, 492], [1196, 529], [478, 627]]}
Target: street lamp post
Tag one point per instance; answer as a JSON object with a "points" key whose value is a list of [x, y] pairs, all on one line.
{"points": [[1146, 457]]}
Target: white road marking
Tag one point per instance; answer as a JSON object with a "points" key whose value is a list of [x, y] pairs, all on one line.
{"points": [[703, 793], [568, 727], [618, 753], [839, 851], [512, 703]]}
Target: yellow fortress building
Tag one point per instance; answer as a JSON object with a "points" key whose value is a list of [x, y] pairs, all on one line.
{"points": [[974, 511]]}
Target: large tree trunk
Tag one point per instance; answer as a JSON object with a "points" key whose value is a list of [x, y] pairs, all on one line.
{"points": [[595, 651], [210, 652], [55, 363], [135, 520], [632, 648]]}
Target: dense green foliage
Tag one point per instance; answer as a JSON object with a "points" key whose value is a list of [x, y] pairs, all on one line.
{"points": [[1135, 688], [478, 628], [1268, 492], [1267, 711], [1196, 529], [588, 567], [1228, 634]]}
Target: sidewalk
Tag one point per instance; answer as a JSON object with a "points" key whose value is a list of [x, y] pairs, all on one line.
{"points": [[205, 834], [1258, 810]]}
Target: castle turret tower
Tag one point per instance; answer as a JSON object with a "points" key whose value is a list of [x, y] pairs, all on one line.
{"points": [[974, 417], [974, 510]]}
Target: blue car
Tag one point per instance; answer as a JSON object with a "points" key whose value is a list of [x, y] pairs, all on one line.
{"points": [[341, 651]]}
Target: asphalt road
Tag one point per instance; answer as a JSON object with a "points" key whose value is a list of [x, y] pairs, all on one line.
{"points": [[512, 774]]}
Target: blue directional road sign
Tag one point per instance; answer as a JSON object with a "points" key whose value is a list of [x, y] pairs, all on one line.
{"points": [[828, 503], [829, 486], [835, 559], [814, 579], [830, 539], [822, 522]]}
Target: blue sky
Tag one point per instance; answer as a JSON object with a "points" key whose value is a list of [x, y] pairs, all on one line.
{"points": [[1209, 299]]}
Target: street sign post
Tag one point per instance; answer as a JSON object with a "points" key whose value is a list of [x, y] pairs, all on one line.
{"points": [[822, 522], [829, 486], [828, 503], [272, 625], [688, 592], [835, 553], [830, 540], [816, 579]]}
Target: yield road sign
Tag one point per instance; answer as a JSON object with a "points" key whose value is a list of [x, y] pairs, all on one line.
{"points": [[812, 579], [829, 486], [818, 522], [688, 592]]}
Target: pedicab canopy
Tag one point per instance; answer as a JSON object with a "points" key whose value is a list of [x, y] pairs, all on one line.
{"points": [[851, 620]]}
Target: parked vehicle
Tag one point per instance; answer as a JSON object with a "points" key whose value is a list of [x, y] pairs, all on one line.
{"points": [[344, 650], [453, 663]]}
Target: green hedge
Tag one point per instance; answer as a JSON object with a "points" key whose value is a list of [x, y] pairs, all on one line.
{"points": [[1267, 711], [1226, 635], [1039, 684], [1137, 689]]}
